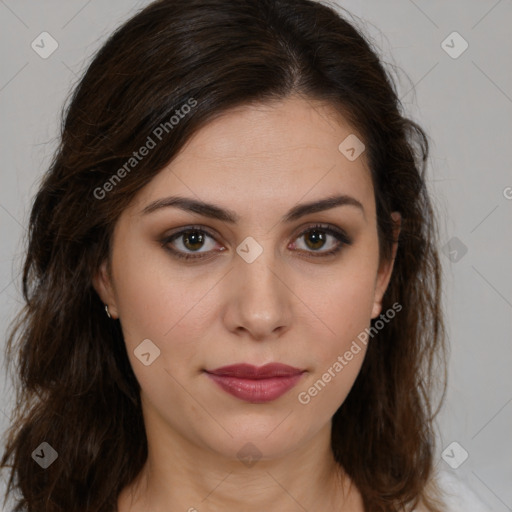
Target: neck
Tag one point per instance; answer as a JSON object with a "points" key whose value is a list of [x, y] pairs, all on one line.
{"points": [[179, 475]]}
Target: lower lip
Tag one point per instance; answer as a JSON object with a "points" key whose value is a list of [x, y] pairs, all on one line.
{"points": [[256, 390]]}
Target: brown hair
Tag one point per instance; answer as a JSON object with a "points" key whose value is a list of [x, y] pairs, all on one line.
{"points": [[76, 388]]}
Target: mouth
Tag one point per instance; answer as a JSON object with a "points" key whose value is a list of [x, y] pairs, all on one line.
{"points": [[256, 385]]}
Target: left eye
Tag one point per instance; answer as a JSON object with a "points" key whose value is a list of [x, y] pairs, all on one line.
{"points": [[315, 237]]}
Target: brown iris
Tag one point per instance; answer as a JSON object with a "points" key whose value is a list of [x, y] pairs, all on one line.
{"points": [[317, 238], [193, 240]]}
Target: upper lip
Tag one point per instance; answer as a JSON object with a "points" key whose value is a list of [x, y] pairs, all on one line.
{"points": [[248, 371]]}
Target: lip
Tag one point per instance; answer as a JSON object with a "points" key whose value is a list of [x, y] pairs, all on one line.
{"points": [[256, 384], [248, 371]]}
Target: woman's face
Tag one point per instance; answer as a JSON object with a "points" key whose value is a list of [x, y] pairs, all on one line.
{"points": [[261, 287]]}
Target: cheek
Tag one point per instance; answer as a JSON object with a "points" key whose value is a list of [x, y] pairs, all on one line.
{"points": [[157, 302], [337, 359], [151, 293], [351, 304], [344, 303], [345, 306]]}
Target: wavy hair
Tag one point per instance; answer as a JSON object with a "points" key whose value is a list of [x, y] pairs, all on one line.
{"points": [[75, 388]]}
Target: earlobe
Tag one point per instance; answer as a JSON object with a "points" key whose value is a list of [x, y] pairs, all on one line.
{"points": [[101, 282], [386, 268]]}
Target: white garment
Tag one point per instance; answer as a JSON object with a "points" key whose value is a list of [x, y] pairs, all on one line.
{"points": [[457, 495]]}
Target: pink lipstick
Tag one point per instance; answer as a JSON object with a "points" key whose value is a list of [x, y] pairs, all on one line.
{"points": [[256, 385]]}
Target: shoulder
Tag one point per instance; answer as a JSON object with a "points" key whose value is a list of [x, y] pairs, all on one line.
{"points": [[457, 494]]}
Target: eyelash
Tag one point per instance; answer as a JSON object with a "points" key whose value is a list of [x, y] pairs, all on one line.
{"points": [[342, 238]]}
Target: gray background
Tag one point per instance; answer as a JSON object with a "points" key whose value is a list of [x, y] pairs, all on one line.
{"points": [[464, 103]]}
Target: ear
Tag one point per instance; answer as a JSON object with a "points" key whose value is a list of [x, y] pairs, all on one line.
{"points": [[386, 268], [102, 283]]}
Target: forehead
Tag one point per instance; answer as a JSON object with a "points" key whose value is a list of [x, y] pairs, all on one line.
{"points": [[264, 154]]}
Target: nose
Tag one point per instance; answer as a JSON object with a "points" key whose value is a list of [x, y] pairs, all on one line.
{"points": [[259, 303]]}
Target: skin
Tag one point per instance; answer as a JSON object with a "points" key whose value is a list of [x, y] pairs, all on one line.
{"points": [[286, 306]]}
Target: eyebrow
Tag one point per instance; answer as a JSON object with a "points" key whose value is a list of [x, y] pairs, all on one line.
{"points": [[216, 212]]}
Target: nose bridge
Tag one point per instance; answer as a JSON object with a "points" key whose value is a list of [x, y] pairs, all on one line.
{"points": [[256, 269], [260, 303]]}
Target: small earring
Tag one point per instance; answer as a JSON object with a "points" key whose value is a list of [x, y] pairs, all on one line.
{"points": [[108, 313]]}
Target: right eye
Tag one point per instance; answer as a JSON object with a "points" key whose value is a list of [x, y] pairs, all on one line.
{"points": [[190, 240]]}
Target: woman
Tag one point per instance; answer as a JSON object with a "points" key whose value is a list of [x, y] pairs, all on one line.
{"points": [[232, 284]]}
